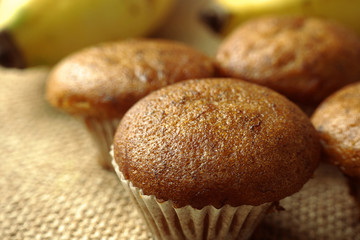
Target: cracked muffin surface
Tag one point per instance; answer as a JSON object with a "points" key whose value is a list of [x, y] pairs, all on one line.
{"points": [[305, 59], [106, 79], [337, 120], [216, 141]]}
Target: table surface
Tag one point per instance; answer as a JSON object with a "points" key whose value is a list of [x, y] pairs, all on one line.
{"points": [[52, 188]]}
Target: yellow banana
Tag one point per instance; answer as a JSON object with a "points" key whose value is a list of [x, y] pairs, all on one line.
{"points": [[230, 13], [44, 31]]}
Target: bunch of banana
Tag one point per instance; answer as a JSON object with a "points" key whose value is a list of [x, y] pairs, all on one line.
{"points": [[41, 32], [225, 15]]}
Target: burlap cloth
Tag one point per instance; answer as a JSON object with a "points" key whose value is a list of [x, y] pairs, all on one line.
{"points": [[52, 188]]}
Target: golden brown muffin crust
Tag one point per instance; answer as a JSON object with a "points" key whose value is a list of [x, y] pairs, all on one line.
{"points": [[338, 121], [216, 141], [306, 59], [105, 80]]}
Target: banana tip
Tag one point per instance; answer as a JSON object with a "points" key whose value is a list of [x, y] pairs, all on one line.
{"points": [[214, 18], [10, 55]]}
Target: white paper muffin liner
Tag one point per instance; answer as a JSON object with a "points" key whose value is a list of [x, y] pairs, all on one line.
{"points": [[166, 222], [102, 132]]}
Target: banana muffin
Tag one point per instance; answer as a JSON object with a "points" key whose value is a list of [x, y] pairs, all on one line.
{"points": [[304, 58], [337, 120], [98, 84], [213, 152]]}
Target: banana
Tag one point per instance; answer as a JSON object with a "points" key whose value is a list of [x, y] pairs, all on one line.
{"points": [[225, 15], [44, 31]]}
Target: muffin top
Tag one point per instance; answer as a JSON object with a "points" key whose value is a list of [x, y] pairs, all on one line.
{"points": [[105, 80], [216, 142], [337, 120], [305, 59]]}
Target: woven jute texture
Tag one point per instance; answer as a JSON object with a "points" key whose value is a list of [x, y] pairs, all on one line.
{"points": [[51, 186]]}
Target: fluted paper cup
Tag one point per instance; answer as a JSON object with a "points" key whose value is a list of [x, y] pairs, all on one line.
{"points": [[102, 132], [167, 222]]}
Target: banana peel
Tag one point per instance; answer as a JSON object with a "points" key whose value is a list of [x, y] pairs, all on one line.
{"points": [[223, 16], [41, 32]]}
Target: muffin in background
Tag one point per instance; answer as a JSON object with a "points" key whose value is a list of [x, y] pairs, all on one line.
{"points": [[207, 158], [99, 84], [305, 59], [337, 119]]}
